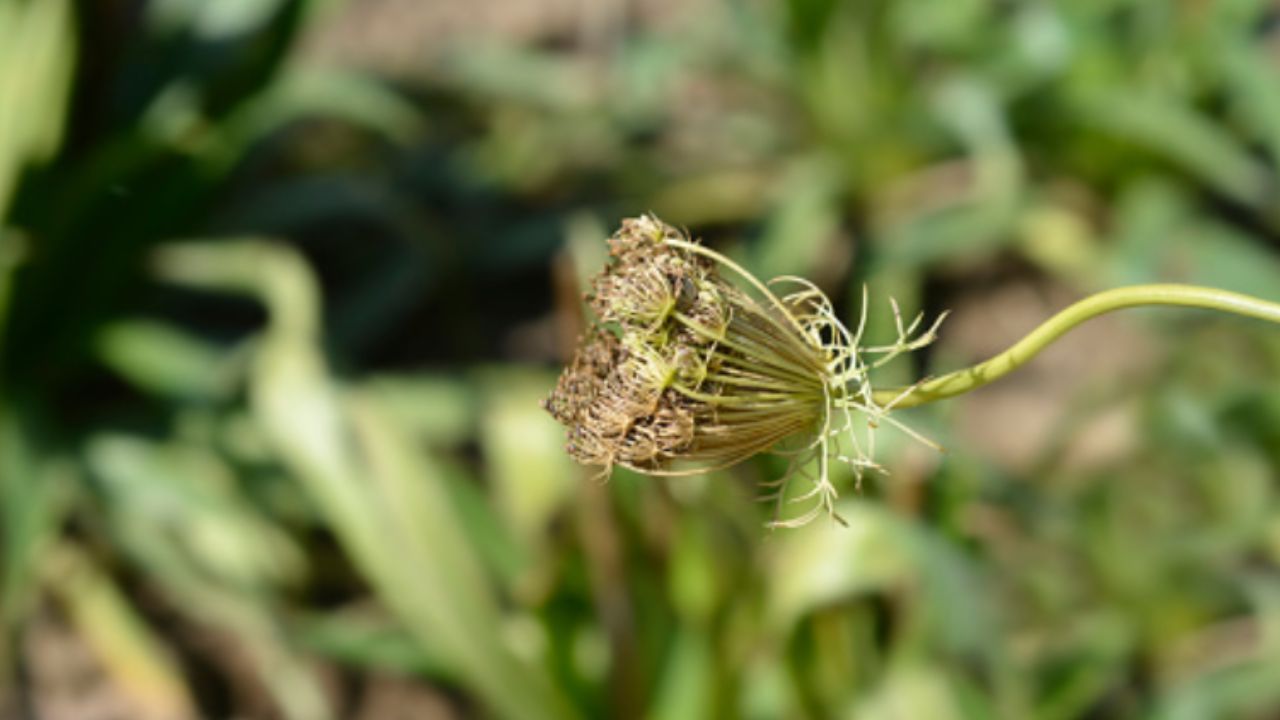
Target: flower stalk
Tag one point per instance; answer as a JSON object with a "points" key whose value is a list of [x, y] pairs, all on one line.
{"points": [[1191, 296]]}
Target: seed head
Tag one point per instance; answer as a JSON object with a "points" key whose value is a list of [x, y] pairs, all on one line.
{"points": [[684, 371]]}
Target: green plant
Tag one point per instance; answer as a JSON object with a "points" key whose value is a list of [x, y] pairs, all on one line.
{"points": [[276, 325], [146, 455]]}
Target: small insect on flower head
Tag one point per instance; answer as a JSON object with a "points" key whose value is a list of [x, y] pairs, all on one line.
{"points": [[684, 371]]}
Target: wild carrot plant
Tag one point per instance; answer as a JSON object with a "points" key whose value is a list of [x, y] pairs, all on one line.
{"points": [[692, 364]]}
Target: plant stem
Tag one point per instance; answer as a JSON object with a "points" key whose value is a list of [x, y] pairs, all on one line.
{"points": [[962, 381]]}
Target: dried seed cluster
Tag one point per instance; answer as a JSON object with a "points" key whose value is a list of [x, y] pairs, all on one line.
{"points": [[684, 372]]}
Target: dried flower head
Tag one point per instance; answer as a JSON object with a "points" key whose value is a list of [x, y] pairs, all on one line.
{"points": [[685, 372]]}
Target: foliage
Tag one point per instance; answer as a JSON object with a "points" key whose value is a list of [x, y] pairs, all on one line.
{"points": [[275, 333]]}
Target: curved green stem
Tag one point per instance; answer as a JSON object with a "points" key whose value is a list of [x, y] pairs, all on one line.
{"points": [[962, 381]]}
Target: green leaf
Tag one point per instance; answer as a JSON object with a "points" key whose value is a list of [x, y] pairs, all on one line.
{"points": [[165, 360]]}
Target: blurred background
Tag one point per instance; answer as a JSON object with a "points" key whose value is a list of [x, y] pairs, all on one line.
{"points": [[282, 283]]}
